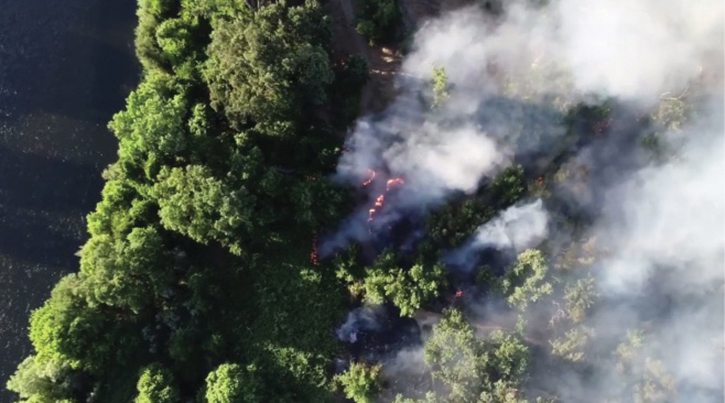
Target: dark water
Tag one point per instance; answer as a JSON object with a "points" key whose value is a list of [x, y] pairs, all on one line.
{"points": [[65, 68]]}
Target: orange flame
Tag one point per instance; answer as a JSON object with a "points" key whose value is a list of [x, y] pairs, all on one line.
{"points": [[394, 182], [380, 200], [372, 174]]}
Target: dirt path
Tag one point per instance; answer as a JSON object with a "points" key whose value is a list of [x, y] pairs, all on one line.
{"points": [[382, 62]]}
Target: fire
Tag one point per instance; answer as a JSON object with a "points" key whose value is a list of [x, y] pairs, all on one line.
{"points": [[371, 177], [394, 182], [380, 200], [458, 294]]}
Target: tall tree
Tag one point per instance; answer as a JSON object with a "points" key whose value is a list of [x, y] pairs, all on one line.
{"points": [[361, 382], [156, 385], [233, 383], [265, 66]]}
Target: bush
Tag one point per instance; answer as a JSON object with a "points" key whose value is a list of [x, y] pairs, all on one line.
{"points": [[156, 385], [360, 382]]}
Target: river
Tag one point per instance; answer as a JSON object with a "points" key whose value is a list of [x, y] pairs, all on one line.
{"points": [[65, 68]]}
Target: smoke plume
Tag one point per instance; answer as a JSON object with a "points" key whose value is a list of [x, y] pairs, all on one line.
{"points": [[658, 225], [514, 230]]}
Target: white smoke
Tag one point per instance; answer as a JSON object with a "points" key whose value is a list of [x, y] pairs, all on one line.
{"points": [[513, 230], [437, 161], [635, 50], [517, 228], [364, 318], [664, 233], [539, 61], [669, 215], [661, 229]]}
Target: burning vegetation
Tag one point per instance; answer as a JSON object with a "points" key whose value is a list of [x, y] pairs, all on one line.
{"points": [[540, 229], [390, 184]]}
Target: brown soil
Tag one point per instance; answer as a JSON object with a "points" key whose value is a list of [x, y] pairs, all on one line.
{"points": [[382, 61]]}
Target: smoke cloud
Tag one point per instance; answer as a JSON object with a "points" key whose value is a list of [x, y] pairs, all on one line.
{"points": [[663, 229], [364, 318], [510, 82], [514, 230], [659, 226]]}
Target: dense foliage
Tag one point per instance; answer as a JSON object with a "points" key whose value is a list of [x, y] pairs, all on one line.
{"points": [[361, 382], [193, 284]]}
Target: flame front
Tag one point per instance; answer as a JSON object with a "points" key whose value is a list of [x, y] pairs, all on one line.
{"points": [[380, 200]]}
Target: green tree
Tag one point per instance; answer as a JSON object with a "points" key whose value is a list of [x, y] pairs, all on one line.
{"points": [[508, 187], [407, 289], [430, 397], [572, 344], [233, 383], [454, 355], [360, 382], [157, 8], [128, 272], [120, 210], [156, 385], [151, 128], [440, 86], [195, 203], [41, 381], [67, 330], [508, 357], [472, 367], [524, 282], [502, 392], [150, 13], [579, 298], [265, 67], [645, 379], [174, 38]]}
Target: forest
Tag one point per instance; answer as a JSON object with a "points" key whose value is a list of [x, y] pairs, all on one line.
{"points": [[258, 241]]}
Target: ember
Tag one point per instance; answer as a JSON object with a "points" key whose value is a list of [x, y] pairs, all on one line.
{"points": [[394, 182], [372, 174]]}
